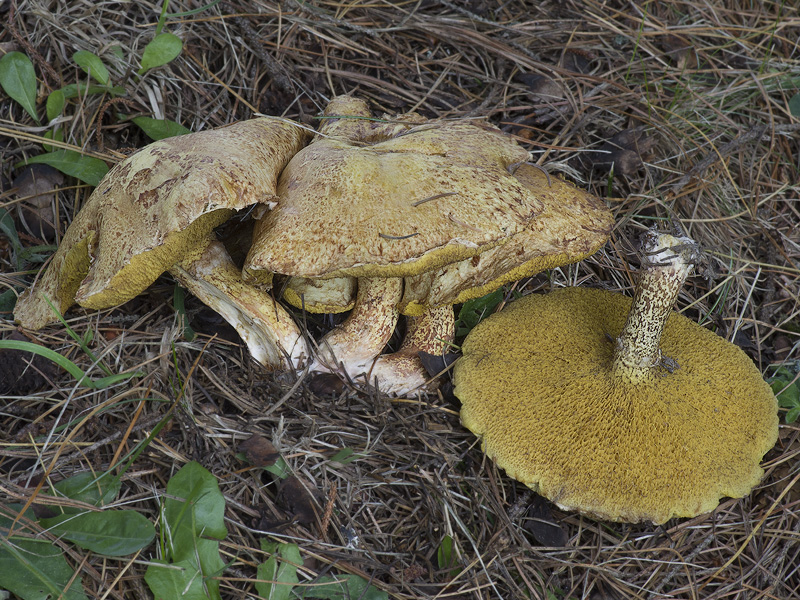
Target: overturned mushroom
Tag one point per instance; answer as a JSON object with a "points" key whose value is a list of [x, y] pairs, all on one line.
{"points": [[632, 419], [154, 209], [385, 199], [573, 224]]}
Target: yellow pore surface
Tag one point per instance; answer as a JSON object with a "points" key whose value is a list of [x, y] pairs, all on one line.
{"points": [[536, 385]]}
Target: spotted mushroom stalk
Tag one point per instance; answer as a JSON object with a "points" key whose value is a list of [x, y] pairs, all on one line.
{"points": [[618, 408]]}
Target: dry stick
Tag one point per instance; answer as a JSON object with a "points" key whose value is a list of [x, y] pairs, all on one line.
{"points": [[273, 67], [751, 135]]}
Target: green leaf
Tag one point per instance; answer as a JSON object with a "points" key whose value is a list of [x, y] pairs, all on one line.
{"points": [[110, 532], [280, 469], [345, 456], [90, 488], [343, 587], [9, 229], [86, 168], [281, 574], [195, 507], [159, 129], [8, 300], [444, 555], [178, 296], [794, 105], [172, 582], [36, 570], [92, 65], [74, 90], [163, 48], [18, 79], [201, 492], [474, 311], [792, 415], [55, 104]]}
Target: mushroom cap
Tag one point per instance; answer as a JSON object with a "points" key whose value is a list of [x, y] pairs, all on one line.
{"points": [[155, 205], [393, 199], [536, 386], [572, 225]]}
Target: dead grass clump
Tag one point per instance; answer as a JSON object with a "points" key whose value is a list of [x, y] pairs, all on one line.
{"points": [[677, 113]]}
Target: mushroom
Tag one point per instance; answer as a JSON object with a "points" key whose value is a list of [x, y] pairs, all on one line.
{"points": [[573, 224], [156, 207], [383, 199], [631, 419]]}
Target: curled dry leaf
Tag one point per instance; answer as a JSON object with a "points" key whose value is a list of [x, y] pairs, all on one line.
{"points": [[259, 451]]}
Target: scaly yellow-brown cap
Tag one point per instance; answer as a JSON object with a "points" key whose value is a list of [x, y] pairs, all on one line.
{"points": [[537, 387], [572, 225], [152, 207], [402, 198]]}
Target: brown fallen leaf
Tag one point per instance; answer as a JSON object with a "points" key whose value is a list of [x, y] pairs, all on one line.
{"points": [[299, 499], [37, 187], [259, 451], [624, 153]]}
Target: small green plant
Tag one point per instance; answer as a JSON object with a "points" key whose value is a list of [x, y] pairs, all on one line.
{"points": [[786, 386], [18, 80], [191, 527], [31, 565], [474, 311]]}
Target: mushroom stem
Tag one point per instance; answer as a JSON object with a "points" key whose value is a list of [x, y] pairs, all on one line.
{"points": [[668, 262], [265, 326], [402, 372], [354, 344]]}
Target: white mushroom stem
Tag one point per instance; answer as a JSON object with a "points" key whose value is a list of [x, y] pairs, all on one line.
{"points": [[265, 326], [668, 262], [402, 372], [353, 345]]}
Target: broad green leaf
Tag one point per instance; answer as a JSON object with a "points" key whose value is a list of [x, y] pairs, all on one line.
{"points": [[57, 135], [794, 105], [8, 300], [280, 573], [200, 488], [181, 581], [159, 129], [109, 532], [343, 587], [9, 512], [477, 309], [36, 570], [73, 90], [345, 456], [55, 104], [18, 79], [86, 168], [280, 469], [90, 488], [163, 48], [792, 415], [92, 65], [195, 508], [444, 555]]}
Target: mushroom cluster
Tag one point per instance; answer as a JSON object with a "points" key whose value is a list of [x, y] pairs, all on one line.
{"points": [[383, 217], [615, 407]]}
